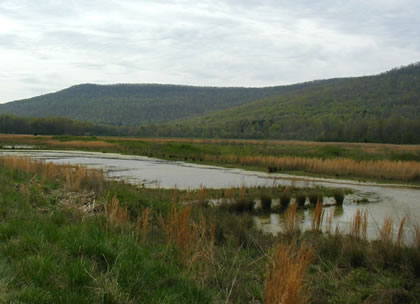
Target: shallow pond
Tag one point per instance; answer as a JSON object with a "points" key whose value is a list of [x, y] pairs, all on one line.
{"points": [[395, 201]]}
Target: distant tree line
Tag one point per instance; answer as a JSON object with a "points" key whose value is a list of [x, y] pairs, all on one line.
{"points": [[54, 126], [396, 130]]}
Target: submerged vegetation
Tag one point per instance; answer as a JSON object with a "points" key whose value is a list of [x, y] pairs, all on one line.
{"points": [[67, 235]]}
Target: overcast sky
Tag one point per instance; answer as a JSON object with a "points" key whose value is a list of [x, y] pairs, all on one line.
{"points": [[48, 45]]}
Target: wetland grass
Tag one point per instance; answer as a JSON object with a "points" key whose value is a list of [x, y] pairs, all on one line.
{"points": [[266, 201], [286, 275], [301, 199], [317, 217], [285, 199], [359, 225], [338, 197], [182, 253]]}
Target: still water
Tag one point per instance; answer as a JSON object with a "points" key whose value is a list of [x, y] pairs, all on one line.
{"points": [[395, 201]]}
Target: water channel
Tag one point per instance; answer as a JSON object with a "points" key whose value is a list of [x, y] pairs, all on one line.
{"points": [[384, 200]]}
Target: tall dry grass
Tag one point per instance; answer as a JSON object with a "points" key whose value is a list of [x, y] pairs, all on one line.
{"points": [[291, 222], [76, 178], [202, 195], [195, 240], [359, 225], [386, 232], [116, 214], [143, 223], [381, 169], [286, 273], [79, 144], [317, 217], [401, 231]]}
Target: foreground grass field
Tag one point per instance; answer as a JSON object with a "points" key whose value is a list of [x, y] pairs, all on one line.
{"points": [[68, 236], [378, 162]]}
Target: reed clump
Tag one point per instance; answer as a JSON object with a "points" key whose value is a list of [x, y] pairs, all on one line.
{"points": [[194, 240], [359, 225], [291, 222], [266, 201], [386, 232], [76, 178], [116, 213], [301, 199], [338, 197], [202, 196], [315, 197], [401, 231], [143, 223], [285, 199], [286, 273], [317, 217]]}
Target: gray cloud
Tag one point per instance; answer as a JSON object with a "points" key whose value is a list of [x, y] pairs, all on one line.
{"points": [[227, 43]]}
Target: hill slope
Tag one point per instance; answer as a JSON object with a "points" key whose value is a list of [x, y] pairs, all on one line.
{"points": [[383, 108], [134, 104]]}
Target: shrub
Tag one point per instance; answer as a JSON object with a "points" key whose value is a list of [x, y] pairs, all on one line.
{"points": [[284, 201], [301, 199], [339, 197], [315, 197], [265, 202]]}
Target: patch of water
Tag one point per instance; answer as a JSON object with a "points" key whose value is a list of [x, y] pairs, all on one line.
{"points": [[395, 201]]}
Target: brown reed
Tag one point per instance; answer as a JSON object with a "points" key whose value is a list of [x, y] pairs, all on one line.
{"points": [[386, 232], [317, 217], [116, 213], [359, 225], [195, 240], [202, 195], [400, 236], [76, 178], [382, 169], [79, 144], [143, 223], [290, 221], [286, 273]]}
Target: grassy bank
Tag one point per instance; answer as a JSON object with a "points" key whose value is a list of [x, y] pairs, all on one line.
{"points": [[68, 236], [377, 162]]}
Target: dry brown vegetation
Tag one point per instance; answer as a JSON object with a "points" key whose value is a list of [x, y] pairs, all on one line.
{"points": [[75, 177], [359, 225], [317, 217], [386, 232], [286, 274], [377, 169], [290, 221], [195, 240], [383, 169], [143, 223], [79, 144]]}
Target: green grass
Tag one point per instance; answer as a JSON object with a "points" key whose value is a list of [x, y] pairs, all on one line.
{"points": [[55, 255], [52, 253]]}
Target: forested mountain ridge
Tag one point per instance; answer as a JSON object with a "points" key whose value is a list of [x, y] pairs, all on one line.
{"points": [[136, 104], [380, 108]]}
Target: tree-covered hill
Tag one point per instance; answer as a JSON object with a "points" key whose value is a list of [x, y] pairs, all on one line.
{"points": [[381, 108], [135, 104]]}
